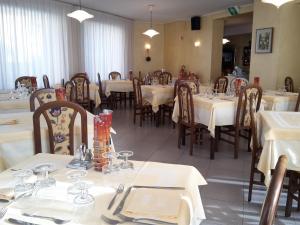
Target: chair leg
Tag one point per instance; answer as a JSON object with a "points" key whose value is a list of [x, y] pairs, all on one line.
{"points": [[179, 135], [289, 199], [251, 180], [212, 148], [183, 135], [249, 140], [192, 140], [134, 116], [236, 144], [142, 117]]}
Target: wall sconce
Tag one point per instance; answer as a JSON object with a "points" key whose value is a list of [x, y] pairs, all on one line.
{"points": [[148, 47], [197, 44]]}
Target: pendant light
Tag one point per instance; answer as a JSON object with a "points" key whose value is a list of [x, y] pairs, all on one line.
{"points": [[277, 3], [151, 32], [80, 15]]}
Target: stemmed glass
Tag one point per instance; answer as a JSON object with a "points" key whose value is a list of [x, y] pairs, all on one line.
{"points": [[75, 176], [84, 198], [110, 167], [46, 181], [21, 186], [125, 155]]}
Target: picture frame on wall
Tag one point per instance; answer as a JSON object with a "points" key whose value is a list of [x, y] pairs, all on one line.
{"points": [[264, 39]]}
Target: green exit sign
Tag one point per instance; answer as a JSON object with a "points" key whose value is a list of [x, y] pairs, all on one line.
{"points": [[233, 10]]}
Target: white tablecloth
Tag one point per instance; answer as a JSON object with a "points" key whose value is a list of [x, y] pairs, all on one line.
{"points": [[57, 203], [116, 86], [17, 141], [277, 102], [13, 105], [157, 95], [279, 134]]}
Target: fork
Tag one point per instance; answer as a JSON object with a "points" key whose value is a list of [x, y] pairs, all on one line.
{"points": [[55, 220]]}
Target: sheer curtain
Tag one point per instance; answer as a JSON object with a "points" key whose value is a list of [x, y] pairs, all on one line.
{"points": [[33, 40], [107, 45]]}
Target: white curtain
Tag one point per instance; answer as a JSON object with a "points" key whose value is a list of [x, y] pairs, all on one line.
{"points": [[34, 40], [107, 45]]}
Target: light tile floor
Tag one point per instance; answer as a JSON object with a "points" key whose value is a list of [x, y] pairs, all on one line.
{"points": [[225, 196]]}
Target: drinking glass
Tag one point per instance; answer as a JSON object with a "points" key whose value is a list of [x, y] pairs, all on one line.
{"points": [[84, 198], [21, 186], [75, 177], [110, 167], [46, 181], [125, 155]]}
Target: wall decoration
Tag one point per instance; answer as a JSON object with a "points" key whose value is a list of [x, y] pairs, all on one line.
{"points": [[264, 38]]}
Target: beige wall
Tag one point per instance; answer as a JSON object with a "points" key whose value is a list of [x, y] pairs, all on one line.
{"points": [[156, 51], [284, 59]]}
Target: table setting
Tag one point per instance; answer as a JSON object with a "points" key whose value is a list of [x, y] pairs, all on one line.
{"points": [[14, 100], [280, 100]]}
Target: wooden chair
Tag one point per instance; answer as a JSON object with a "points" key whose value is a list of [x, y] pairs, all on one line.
{"points": [[186, 117], [293, 192], [46, 81], [243, 119], [108, 101], [165, 78], [193, 84], [244, 83], [269, 208], [297, 103], [60, 118], [114, 75], [256, 151], [43, 96], [82, 90], [289, 84], [156, 73], [27, 81], [221, 84], [152, 78], [117, 96], [193, 76], [70, 91], [142, 108]]}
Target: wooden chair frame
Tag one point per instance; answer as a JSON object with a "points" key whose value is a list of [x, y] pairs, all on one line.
{"points": [[70, 98], [298, 103], [289, 84], [19, 80], [37, 129], [217, 84], [85, 101], [165, 77], [35, 95], [46, 81], [114, 73]]}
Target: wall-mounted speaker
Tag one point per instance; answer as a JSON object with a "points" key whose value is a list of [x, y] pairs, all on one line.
{"points": [[196, 23]]}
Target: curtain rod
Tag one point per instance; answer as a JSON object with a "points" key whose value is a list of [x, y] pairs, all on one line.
{"points": [[97, 10]]}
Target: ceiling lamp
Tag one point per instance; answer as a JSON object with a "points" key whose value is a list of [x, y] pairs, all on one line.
{"points": [[277, 3], [225, 41], [80, 15], [150, 32]]}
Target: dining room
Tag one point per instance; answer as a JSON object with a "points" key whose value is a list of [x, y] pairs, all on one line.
{"points": [[149, 112]]}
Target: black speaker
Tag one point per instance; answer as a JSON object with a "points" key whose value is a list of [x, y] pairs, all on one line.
{"points": [[196, 23]]}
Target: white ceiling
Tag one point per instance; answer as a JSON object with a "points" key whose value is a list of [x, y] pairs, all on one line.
{"points": [[164, 10]]}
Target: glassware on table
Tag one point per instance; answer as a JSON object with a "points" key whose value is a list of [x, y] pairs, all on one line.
{"points": [[84, 198], [75, 177], [282, 90], [44, 170], [125, 155], [21, 186], [110, 166]]}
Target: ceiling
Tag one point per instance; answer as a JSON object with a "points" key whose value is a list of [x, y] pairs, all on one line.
{"points": [[164, 10]]}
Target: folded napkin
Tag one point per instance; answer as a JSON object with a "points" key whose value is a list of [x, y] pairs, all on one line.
{"points": [[161, 204], [8, 122]]}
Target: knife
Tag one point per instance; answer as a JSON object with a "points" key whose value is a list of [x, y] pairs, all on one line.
{"points": [[19, 222], [122, 202]]}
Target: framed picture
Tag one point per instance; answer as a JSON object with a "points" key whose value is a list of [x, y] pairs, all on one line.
{"points": [[264, 38]]}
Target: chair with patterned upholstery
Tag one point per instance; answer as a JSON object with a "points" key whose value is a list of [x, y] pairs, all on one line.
{"points": [[297, 103], [165, 78], [43, 96], [233, 82], [156, 73], [28, 82], [289, 84], [70, 91], [221, 84], [268, 212], [243, 118], [82, 90], [193, 84], [46, 81], [193, 76], [114, 75], [60, 118], [256, 151], [142, 108], [186, 120]]}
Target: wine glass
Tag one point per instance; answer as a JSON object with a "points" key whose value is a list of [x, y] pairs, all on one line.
{"points": [[21, 186], [84, 198], [125, 155], [110, 167], [46, 181], [75, 176]]}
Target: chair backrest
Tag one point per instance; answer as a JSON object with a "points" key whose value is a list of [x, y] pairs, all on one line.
{"points": [[193, 84], [269, 208], [157, 73], [81, 87], [70, 91], [221, 84], [193, 76], [100, 91], [27, 81], [186, 104], [165, 77], [60, 118], [297, 103], [152, 78], [244, 82], [255, 140], [138, 98], [243, 118], [289, 84], [43, 96], [114, 75], [46, 81]]}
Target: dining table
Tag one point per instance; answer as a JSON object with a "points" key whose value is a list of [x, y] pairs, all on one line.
{"points": [[153, 190], [17, 138], [12, 103], [279, 134], [280, 101]]}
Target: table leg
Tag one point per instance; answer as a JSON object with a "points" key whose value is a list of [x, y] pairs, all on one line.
{"points": [[212, 148]]}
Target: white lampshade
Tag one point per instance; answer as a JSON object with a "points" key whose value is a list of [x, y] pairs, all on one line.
{"points": [[150, 32], [80, 15], [225, 41], [277, 3]]}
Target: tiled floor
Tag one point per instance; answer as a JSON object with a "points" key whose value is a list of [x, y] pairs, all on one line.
{"points": [[225, 196]]}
